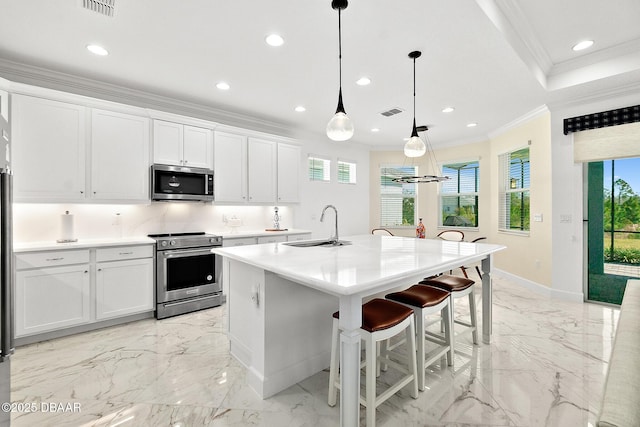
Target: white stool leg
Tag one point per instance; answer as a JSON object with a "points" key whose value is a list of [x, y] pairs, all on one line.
{"points": [[413, 367], [335, 362], [420, 332], [370, 389], [474, 320], [447, 316]]}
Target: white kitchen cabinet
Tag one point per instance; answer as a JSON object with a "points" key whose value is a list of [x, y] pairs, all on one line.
{"points": [[52, 298], [238, 241], [230, 160], [272, 239], [124, 287], [288, 173], [182, 145], [120, 157], [48, 147], [261, 170], [59, 289], [298, 237]]}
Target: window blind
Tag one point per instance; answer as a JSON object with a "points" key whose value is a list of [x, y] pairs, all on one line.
{"points": [[346, 172], [319, 169], [397, 200], [514, 197], [459, 195]]}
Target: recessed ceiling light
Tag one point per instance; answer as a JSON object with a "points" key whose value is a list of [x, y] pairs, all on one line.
{"points": [[363, 81], [472, 125], [97, 50], [274, 40], [300, 109], [448, 109], [585, 44], [375, 130], [223, 86]]}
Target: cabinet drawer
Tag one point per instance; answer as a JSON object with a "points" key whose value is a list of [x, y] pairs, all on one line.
{"points": [[239, 241], [50, 259], [124, 252], [298, 237], [271, 239]]}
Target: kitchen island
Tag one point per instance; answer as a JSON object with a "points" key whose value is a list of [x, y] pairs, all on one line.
{"points": [[281, 298]]}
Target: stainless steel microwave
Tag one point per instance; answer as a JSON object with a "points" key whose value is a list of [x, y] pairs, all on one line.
{"points": [[181, 183]]}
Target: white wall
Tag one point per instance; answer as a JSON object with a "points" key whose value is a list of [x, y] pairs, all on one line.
{"points": [[351, 200]]}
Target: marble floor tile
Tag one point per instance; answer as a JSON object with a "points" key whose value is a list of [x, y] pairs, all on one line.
{"points": [[545, 367]]}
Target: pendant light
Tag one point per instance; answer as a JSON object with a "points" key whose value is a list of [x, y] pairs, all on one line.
{"points": [[340, 127], [414, 146]]}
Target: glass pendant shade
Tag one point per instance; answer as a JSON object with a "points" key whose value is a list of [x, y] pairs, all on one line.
{"points": [[415, 147], [340, 127]]}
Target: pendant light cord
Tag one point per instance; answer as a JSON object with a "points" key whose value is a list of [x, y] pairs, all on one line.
{"points": [[340, 47], [414, 91]]}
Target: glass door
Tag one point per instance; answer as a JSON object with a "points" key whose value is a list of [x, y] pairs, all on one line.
{"points": [[613, 209]]}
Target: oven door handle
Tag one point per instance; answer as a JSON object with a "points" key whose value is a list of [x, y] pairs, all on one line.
{"points": [[183, 253]]}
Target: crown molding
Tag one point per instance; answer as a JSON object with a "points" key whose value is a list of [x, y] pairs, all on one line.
{"points": [[56, 80], [525, 118]]}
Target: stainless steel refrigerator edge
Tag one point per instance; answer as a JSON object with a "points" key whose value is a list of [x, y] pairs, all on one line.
{"points": [[6, 257]]}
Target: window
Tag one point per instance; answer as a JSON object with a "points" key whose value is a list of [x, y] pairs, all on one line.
{"points": [[459, 195], [346, 172], [513, 213], [319, 169], [397, 200]]}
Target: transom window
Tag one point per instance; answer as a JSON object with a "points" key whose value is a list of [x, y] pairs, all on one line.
{"points": [[346, 172], [319, 169], [459, 195], [515, 201], [397, 200]]}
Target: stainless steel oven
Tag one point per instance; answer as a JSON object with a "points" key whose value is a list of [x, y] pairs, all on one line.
{"points": [[187, 273]]}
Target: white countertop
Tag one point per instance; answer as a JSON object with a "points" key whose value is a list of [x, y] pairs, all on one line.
{"points": [[239, 234], [370, 261], [52, 245]]}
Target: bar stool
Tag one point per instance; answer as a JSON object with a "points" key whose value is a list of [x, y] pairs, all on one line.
{"points": [[426, 300], [381, 320], [458, 287]]}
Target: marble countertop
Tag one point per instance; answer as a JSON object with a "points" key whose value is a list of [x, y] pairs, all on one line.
{"points": [[367, 263], [51, 245], [256, 233]]}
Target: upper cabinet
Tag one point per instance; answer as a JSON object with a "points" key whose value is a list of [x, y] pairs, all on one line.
{"points": [[289, 157], [182, 145], [230, 167], [69, 153], [48, 156], [119, 156], [255, 170], [261, 168]]}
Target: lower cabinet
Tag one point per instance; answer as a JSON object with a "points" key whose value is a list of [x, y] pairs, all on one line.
{"points": [[56, 290], [52, 298], [122, 287]]}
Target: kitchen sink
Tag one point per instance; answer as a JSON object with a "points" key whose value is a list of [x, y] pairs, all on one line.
{"points": [[313, 243]]}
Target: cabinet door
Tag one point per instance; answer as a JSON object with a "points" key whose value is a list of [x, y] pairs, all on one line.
{"points": [[198, 147], [120, 157], [288, 173], [230, 160], [52, 298], [261, 166], [124, 287], [48, 147], [167, 143]]}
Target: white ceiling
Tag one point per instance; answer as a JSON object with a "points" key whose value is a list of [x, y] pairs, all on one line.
{"points": [[493, 60]]}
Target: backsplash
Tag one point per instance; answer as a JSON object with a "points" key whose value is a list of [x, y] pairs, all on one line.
{"points": [[41, 222]]}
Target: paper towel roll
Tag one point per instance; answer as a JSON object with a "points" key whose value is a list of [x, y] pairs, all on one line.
{"points": [[66, 228]]}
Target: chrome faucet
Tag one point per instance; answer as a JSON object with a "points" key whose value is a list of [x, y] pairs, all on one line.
{"points": [[333, 239]]}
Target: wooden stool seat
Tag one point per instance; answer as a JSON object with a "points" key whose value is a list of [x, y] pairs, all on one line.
{"points": [[379, 314], [448, 283], [420, 296]]}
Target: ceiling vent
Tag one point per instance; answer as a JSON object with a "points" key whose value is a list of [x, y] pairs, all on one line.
{"points": [[103, 7], [392, 112]]}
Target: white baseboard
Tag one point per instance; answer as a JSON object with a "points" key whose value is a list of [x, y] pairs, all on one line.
{"points": [[538, 288]]}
